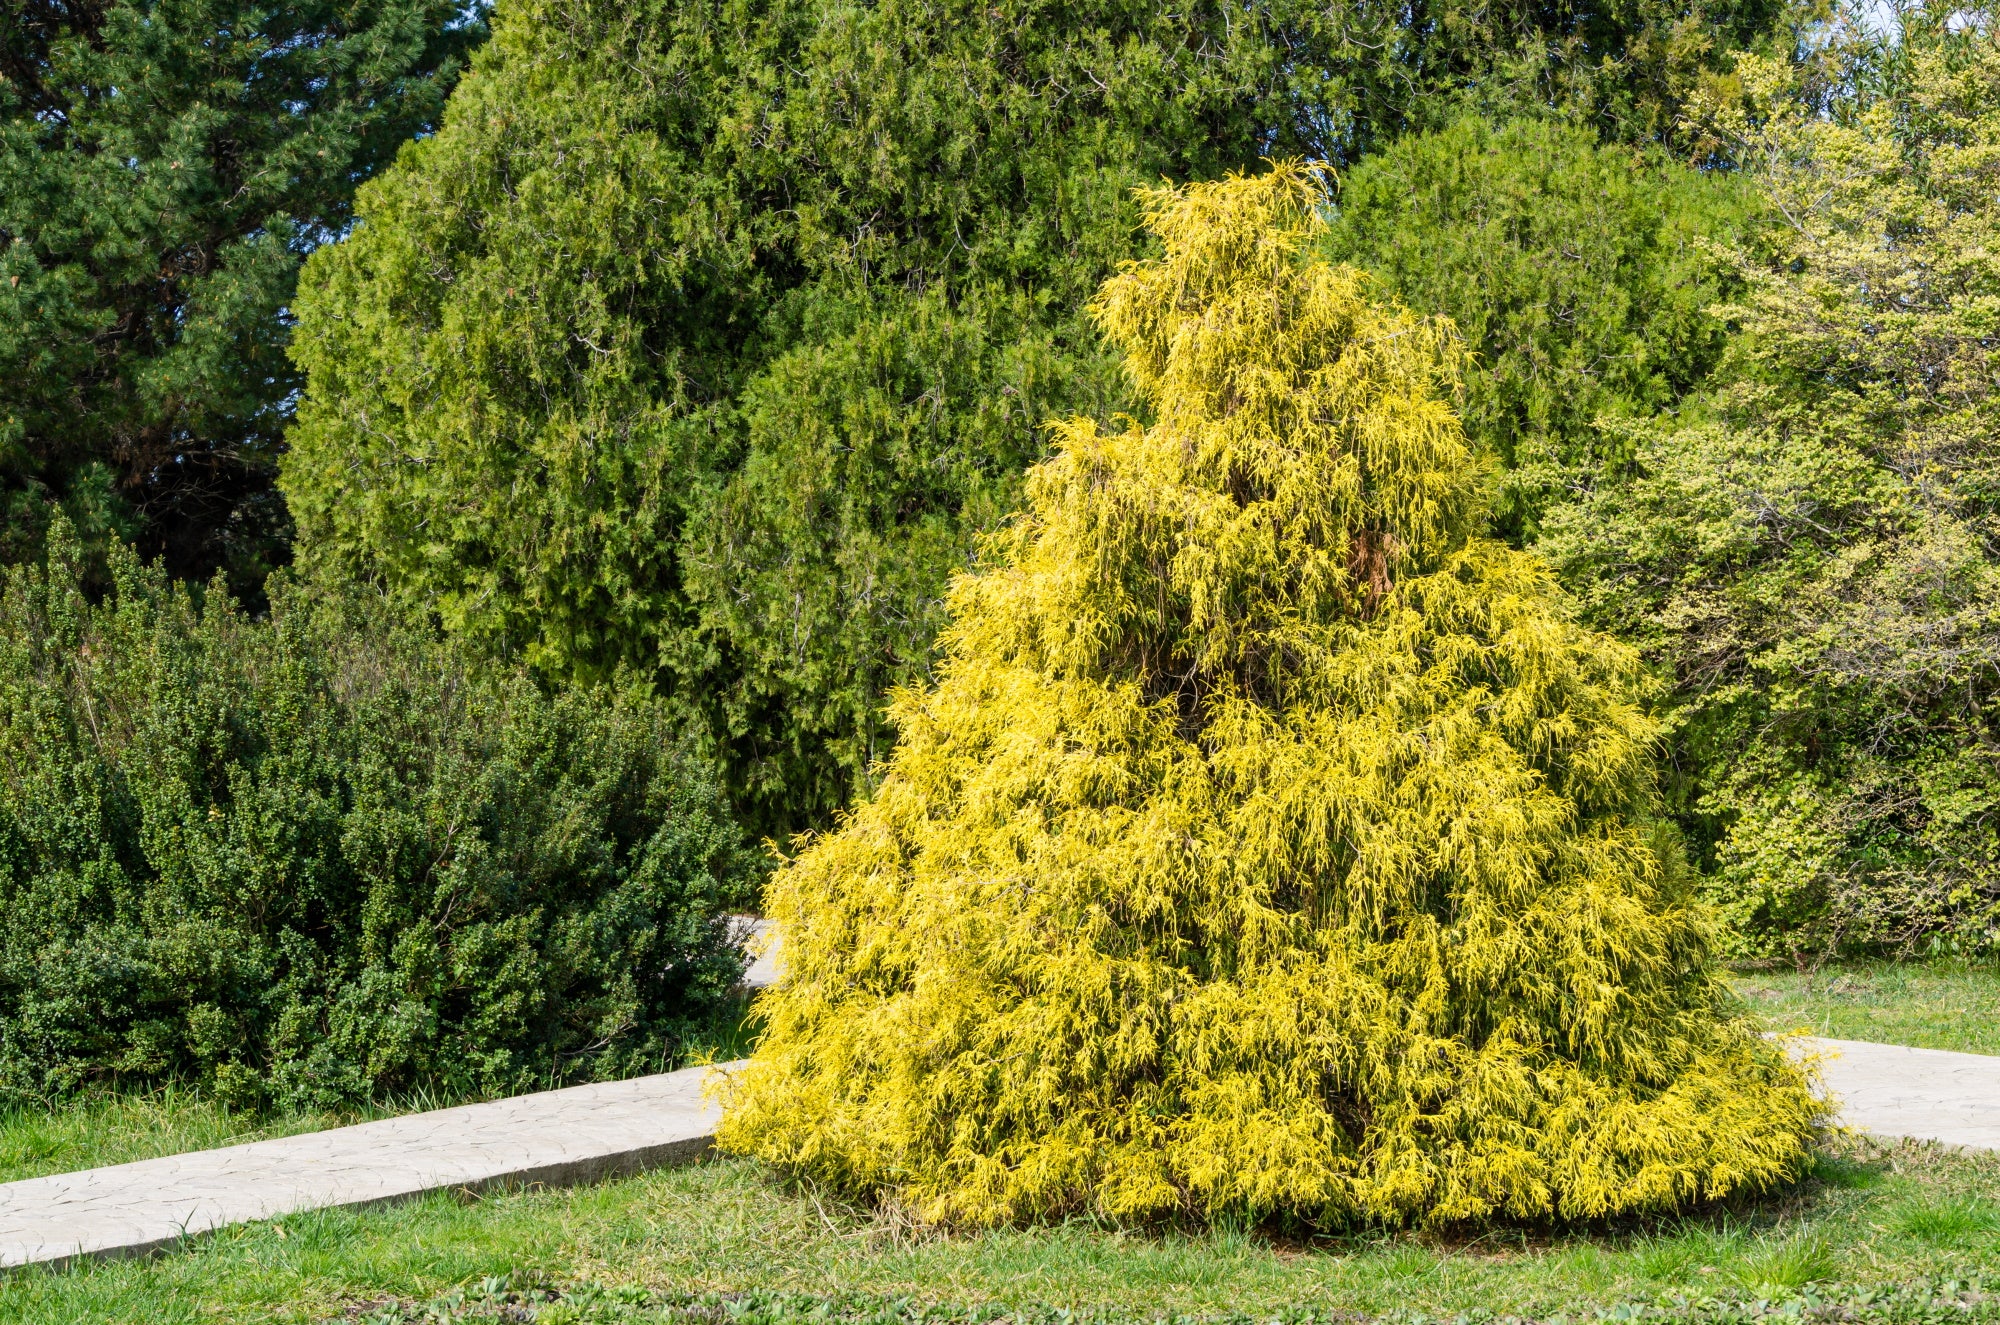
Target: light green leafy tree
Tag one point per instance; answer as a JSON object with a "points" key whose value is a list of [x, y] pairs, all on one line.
{"points": [[1811, 553]]}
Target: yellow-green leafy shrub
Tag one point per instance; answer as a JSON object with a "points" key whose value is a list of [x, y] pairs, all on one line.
{"points": [[1271, 844]]}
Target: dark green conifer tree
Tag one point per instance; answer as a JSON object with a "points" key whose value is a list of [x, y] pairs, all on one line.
{"points": [[1580, 273], [164, 167], [704, 337]]}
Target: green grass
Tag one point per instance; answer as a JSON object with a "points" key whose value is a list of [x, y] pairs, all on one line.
{"points": [[1950, 1222], [1965, 1302], [1931, 1005], [1870, 1216], [117, 1129]]}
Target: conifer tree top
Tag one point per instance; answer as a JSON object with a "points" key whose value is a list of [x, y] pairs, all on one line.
{"points": [[1263, 360], [1304, 456]]}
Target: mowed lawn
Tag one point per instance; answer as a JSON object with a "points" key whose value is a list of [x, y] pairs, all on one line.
{"points": [[1932, 1005], [1872, 1216]]}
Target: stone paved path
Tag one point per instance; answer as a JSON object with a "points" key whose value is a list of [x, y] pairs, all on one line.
{"points": [[552, 1138], [590, 1132], [1923, 1094], [759, 939]]}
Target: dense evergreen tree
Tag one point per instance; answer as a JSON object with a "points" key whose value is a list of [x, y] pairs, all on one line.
{"points": [[1273, 844], [164, 166], [1581, 275], [704, 337]]}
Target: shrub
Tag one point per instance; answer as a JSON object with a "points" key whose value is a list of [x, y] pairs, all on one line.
{"points": [[310, 860], [1271, 845]]}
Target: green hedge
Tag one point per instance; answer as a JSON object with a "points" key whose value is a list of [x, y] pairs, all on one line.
{"points": [[312, 859]]}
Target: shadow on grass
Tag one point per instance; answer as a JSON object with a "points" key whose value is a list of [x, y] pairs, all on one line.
{"points": [[1868, 1213]]}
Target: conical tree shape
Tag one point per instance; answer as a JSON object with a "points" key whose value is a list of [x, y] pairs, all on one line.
{"points": [[1271, 844]]}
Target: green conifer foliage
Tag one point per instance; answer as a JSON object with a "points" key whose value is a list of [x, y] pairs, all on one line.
{"points": [[164, 167], [313, 859], [1270, 845], [704, 338], [1580, 274]]}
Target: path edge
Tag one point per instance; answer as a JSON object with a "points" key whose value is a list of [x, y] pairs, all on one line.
{"points": [[569, 1173]]}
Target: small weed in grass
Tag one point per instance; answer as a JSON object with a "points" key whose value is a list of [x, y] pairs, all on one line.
{"points": [[1409, 1261], [1670, 1259], [1778, 1266]]}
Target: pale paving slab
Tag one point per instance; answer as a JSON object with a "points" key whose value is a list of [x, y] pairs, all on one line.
{"points": [[1922, 1094], [552, 1138], [759, 941]]}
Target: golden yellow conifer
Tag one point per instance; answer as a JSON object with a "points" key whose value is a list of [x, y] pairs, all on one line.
{"points": [[1271, 843]]}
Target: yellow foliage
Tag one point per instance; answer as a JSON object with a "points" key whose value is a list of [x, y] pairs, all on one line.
{"points": [[1270, 844]]}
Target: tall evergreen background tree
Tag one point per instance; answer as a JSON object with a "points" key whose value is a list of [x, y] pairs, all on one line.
{"points": [[164, 167], [704, 338], [1581, 274]]}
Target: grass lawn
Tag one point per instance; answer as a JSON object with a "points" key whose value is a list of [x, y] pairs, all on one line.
{"points": [[1872, 1217], [1932, 1005]]}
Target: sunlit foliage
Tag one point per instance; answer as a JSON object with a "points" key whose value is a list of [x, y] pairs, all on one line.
{"points": [[1271, 844], [1810, 552]]}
